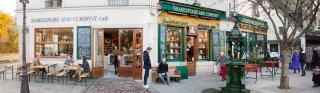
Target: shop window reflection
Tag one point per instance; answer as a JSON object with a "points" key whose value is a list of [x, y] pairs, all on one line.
{"points": [[53, 42], [126, 38]]}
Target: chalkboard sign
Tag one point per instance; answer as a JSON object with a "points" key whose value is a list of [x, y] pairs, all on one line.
{"points": [[84, 42], [162, 42], [215, 45]]}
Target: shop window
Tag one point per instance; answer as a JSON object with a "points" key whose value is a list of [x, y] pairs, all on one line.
{"points": [[126, 47], [203, 46], [260, 45], [53, 42], [174, 43], [53, 3], [274, 48], [118, 2]]}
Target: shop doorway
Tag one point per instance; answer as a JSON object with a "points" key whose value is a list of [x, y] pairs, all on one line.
{"points": [[191, 54], [124, 45]]}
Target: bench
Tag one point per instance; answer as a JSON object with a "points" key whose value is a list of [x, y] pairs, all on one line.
{"points": [[85, 76], [60, 74], [174, 74]]}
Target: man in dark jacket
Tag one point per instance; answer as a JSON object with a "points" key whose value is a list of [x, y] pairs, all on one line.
{"points": [[163, 71], [302, 60], [146, 66]]}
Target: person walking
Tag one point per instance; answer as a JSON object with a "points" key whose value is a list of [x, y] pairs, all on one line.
{"points": [[223, 67], [116, 61], [146, 66], [295, 64], [302, 60], [163, 71]]}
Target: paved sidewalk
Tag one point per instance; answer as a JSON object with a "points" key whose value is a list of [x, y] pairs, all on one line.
{"points": [[195, 84], [267, 85]]}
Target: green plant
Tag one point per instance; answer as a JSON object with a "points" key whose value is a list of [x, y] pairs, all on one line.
{"points": [[254, 57]]}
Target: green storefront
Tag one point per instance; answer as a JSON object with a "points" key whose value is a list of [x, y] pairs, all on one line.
{"points": [[254, 32], [189, 35]]}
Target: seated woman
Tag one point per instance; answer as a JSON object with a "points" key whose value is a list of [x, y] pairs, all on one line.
{"points": [[163, 71], [84, 68], [316, 77], [36, 62]]}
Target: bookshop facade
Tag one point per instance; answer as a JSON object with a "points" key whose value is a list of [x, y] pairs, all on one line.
{"points": [[92, 32], [189, 36]]}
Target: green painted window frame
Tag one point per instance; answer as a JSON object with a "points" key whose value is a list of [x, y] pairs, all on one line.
{"points": [[181, 59]]}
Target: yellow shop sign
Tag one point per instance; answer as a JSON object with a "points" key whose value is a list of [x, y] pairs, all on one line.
{"points": [[182, 20]]}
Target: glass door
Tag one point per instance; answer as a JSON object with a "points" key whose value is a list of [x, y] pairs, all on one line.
{"points": [[98, 61]]}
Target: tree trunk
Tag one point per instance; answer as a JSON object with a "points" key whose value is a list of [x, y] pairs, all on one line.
{"points": [[284, 80]]}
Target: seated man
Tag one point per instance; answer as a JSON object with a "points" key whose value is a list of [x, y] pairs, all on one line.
{"points": [[316, 76], [163, 71], [68, 62]]}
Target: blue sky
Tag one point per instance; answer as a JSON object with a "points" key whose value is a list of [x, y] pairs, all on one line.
{"points": [[8, 6]]}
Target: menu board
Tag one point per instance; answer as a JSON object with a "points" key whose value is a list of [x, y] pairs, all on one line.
{"points": [[84, 42], [162, 42], [215, 45]]}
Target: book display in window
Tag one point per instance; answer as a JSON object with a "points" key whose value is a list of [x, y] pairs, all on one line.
{"points": [[174, 41], [203, 46]]}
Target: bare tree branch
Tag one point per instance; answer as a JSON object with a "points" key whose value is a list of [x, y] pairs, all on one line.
{"points": [[260, 3], [316, 9]]}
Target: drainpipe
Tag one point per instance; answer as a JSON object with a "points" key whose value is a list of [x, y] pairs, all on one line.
{"points": [[150, 7]]}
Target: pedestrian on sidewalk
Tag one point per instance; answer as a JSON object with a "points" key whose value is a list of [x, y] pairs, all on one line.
{"points": [[302, 60], [223, 59], [295, 64], [146, 66], [163, 71], [316, 76], [116, 61]]}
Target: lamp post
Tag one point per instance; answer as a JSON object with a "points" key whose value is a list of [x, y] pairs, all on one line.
{"points": [[24, 77], [235, 69]]}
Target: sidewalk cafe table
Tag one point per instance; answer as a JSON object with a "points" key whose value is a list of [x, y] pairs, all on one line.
{"points": [[272, 67], [251, 68], [12, 66]]}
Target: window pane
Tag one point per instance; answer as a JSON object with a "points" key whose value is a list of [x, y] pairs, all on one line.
{"points": [[174, 41], [126, 37], [54, 42], [203, 45], [118, 2]]}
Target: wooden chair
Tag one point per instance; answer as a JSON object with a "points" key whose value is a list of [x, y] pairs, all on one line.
{"points": [[2, 71], [85, 76], [52, 73]]}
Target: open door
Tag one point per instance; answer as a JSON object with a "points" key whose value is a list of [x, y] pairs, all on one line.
{"points": [[98, 55], [137, 59], [192, 54]]}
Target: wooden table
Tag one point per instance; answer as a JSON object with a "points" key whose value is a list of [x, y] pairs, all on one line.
{"points": [[251, 68], [273, 65], [71, 67]]}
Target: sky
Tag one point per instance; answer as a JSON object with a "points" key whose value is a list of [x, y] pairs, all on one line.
{"points": [[8, 6]]}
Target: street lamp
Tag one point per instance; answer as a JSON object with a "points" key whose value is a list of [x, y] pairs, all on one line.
{"points": [[235, 69], [24, 77]]}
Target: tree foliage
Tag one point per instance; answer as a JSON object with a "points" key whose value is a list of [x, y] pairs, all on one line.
{"points": [[9, 38]]}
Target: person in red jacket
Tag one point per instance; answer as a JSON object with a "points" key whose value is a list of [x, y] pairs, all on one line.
{"points": [[223, 67]]}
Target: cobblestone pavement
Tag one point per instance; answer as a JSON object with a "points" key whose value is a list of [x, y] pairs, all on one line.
{"points": [[116, 85]]}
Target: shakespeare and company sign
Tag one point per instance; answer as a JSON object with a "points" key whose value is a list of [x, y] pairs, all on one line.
{"points": [[192, 10], [69, 19]]}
